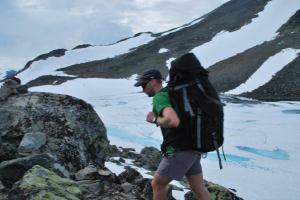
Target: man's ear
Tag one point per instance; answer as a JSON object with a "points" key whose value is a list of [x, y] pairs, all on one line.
{"points": [[151, 82]]}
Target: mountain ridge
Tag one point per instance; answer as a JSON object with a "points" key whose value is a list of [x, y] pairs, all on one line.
{"points": [[229, 17]]}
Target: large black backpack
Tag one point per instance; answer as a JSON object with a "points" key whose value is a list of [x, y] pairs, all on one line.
{"points": [[198, 103]]}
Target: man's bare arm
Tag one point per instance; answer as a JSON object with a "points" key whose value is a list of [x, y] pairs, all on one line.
{"points": [[169, 118]]}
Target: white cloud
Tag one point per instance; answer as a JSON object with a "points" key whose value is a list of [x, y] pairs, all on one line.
{"points": [[161, 15], [32, 27], [27, 3]]}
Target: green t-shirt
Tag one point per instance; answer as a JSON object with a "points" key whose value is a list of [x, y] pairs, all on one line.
{"points": [[161, 101]]}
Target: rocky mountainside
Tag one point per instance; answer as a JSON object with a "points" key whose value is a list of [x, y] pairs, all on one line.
{"points": [[225, 74], [177, 42], [284, 85], [55, 147]]}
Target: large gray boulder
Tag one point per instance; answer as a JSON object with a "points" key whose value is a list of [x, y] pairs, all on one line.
{"points": [[69, 129]]}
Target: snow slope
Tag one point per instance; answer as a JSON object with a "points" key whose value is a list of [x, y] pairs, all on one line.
{"points": [[227, 44], [267, 70], [78, 56], [261, 140]]}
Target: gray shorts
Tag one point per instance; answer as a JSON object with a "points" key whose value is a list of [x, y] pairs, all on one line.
{"points": [[179, 164]]}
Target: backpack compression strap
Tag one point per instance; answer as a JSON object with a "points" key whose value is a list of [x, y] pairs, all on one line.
{"points": [[186, 102], [201, 88], [217, 149]]}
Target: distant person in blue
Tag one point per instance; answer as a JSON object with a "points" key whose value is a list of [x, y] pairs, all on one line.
{"points": [[176, 163]]}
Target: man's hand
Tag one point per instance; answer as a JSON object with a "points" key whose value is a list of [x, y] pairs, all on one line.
{"points": [[151, 117]]}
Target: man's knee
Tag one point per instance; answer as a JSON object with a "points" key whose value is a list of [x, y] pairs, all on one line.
{"points": [[156, 184], [153, 183], [159, 182], [197, 186]]}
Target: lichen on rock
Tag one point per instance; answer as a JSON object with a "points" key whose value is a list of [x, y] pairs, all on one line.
{"points": [[41, 183]]}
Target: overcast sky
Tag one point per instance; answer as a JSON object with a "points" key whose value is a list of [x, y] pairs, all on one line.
{"points": [[32, 27]]}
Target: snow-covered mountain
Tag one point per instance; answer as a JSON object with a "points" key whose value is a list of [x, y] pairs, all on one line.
{"points": [[239, 42], [250, 47]]}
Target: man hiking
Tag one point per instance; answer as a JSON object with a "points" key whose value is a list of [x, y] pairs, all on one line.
{"points": [[178, 159]]}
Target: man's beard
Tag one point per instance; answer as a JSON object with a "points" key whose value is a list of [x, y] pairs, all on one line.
{"points": [[150, 94]]}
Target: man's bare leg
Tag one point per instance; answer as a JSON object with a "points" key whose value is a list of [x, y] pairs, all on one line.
{"points": [[197, 186], [159, 185]]}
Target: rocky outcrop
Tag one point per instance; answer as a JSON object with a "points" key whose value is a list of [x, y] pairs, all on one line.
{"points": [[150, 156], [96, 183], [82, 46], [67, 127], [10, 87], [216, 192]]}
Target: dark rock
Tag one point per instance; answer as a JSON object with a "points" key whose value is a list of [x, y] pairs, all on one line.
{"points": [[114, 178], [11, 87], [75, 133], [40, 183], [120, 196], [82, 46], [144, 188], [105, 173], [12, 170], [122, 160], [128, 153], [88, 173], [91, 189], [189, 196], [149, 158], [216, 192], [169, 193], [7, 150], [1, 186], [129, 175], [127, 187], [48, 80], [3, 192], [32, 142], [145, 191]]}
